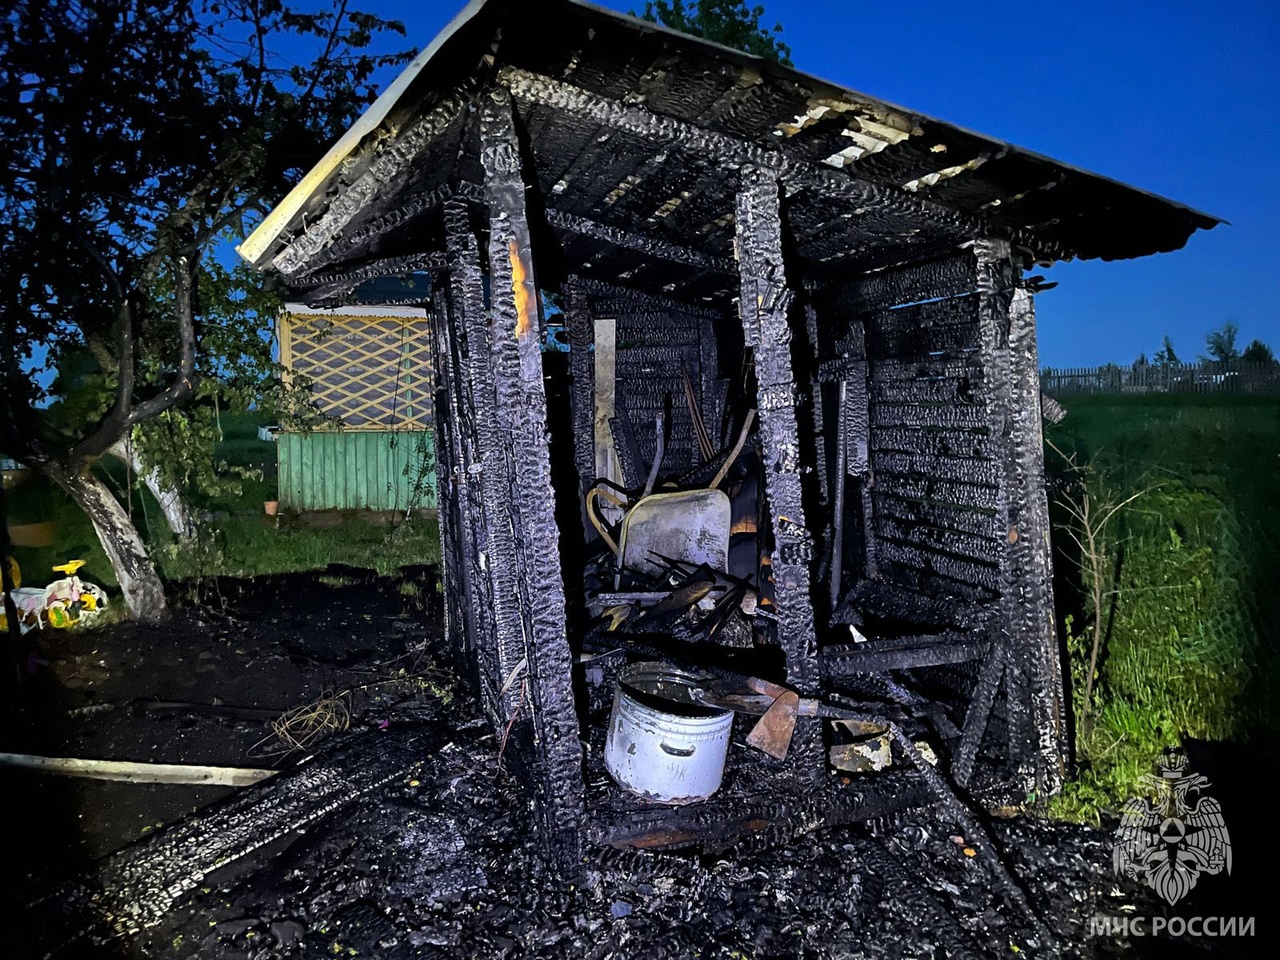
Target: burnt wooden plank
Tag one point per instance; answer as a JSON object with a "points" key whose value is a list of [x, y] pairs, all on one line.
{"points": [[928, 369], [450, 495], [981, 523], [956, 543], [966, 495], [640, 242], [983, 472], [959, 311], [521, 408], [978, 715], [956, 342], [877, 656], [958, 565], [927, 579], [947, 391], [935, 443], [944, 277], [581, 324], [764, 303], [923, 414], [488, 494]]}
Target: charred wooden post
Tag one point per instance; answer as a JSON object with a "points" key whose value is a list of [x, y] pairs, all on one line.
{"points": [[533, 566], [497, 643], [577, 310], [764, 303], [453, 500], [1032, 679], [855, 417]]}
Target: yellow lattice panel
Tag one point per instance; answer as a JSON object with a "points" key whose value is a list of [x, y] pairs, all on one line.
{"points": [[371, 371]]}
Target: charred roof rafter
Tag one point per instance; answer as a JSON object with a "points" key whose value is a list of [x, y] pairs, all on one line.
{"points": [[536, 89], [330, 283], [419, 205], [652, 246], [385, 160]]}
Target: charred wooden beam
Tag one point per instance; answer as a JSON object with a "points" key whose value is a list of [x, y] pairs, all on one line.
{"points": [[1033, 681], [581, 328], [390, 158], [978, 714], [650, 246], [534, 88], [327, 283], [764, 303], [855, 414], [482, 480], [902, 653], [452, 482], [721, 821], [604, 289], [371, 231], [522, 412]]}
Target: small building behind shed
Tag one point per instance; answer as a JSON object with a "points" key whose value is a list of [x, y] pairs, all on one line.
{"points": [[366, 443]]}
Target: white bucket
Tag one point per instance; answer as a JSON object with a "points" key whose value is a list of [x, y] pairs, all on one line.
{"points": [[661, 744]]}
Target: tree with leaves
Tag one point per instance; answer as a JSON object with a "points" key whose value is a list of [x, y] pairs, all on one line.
{"points": [[731, 23], [1258, 352], [1166, 356], [1220, 345], [139, 134]]}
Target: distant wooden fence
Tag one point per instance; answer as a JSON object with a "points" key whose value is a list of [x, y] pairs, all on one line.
{"points": [[1204, 377]]}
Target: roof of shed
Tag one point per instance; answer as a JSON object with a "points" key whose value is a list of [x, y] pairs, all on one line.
{"points": [[636, 134]]}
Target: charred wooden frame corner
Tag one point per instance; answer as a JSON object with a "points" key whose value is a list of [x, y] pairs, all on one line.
{"points": [[728, 242]]}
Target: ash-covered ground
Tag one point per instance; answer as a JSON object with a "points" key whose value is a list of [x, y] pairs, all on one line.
{"points": [[405, 836]]}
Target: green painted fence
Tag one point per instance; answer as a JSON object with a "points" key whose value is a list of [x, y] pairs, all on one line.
{"points": [[357, 470]]}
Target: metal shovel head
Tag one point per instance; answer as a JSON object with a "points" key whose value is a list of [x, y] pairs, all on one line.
{"points": [[772, 734]]}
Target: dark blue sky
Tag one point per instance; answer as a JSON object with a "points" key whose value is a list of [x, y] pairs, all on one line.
{"points": [[1177, 97]]}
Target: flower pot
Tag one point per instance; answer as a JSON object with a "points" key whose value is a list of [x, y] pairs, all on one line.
{"points": [[271, 506]]}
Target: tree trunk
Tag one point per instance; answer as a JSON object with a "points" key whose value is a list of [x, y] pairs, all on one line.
{"points": [[143, 591], [176, 511]]}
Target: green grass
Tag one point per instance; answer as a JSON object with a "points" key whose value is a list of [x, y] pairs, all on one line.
{"points": [[237, 539], [243, 546], [1197, 563]]}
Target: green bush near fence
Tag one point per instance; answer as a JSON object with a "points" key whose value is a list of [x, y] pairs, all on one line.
{"points": [[1195, 598]]}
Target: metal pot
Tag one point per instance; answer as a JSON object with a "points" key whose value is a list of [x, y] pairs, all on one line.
{"points": [[662, 744]]}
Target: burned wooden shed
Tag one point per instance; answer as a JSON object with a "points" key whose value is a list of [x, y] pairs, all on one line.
{"points": [[809, 302]]}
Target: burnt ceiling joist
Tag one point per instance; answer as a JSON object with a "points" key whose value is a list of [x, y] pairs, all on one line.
{"points": [[531, 88], [364, 190], [326, 284], [652, 246]]}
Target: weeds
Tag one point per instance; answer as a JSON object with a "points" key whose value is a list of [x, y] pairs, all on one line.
{"points": [[1165, 632]]}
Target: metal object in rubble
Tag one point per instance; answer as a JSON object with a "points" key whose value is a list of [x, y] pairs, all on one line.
{"points": [[663, 744]]}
